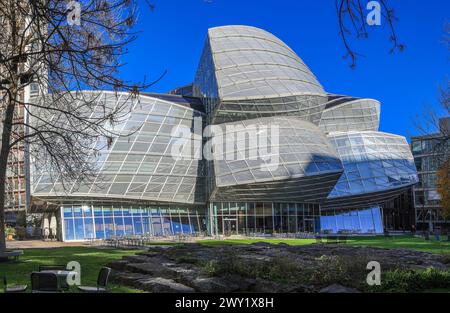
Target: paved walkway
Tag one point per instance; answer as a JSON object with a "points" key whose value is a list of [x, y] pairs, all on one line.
{"points": [[30, 244]]}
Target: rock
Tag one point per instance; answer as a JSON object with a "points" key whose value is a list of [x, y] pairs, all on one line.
{"points": [[213, 284], [299, 289], [118, 265], [127, 278], [336, 288], [152, 269], [174, 268], [160, 284], [266, 286]]}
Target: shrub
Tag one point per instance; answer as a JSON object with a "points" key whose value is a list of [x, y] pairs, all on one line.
{"points": [[411, 281]]}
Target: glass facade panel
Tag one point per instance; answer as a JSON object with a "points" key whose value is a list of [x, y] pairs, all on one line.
{"points": [[364, 221], [107, 222]]}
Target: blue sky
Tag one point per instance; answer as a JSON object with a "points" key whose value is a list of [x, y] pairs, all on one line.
{"points": [[172, 38]]}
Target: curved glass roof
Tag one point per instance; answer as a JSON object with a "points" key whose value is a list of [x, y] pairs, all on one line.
{"points": [[373, 162], [275, 157], [139, 164], [350, 114], [252, 63]]}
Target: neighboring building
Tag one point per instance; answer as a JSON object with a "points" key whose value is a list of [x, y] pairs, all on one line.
{"points": [[331, 169], [17, 185], [428, 150]]}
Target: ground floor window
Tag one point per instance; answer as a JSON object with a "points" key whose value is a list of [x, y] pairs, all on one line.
{"points": [[364, 221], [82, 222], [253, 219]]}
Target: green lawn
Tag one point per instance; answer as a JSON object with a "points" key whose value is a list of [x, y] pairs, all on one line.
{"points": [[292, 242], [90, 259], [406, 242]]}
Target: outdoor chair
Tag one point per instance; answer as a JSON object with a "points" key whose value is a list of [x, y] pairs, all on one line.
{"points": [[44, 282], [13, 289], [52, 268], [63, 285], [102, 282]]}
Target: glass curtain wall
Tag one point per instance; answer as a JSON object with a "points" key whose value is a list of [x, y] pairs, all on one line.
{"points": [[365, 221], [99, 222], [250, 218]]}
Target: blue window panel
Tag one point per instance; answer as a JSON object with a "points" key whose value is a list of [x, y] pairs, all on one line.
{"points": [[177, 228], [77, 212], [340, 222], [366, 221], [109, 227], [126, 212], [328, 223], [378, 221], [98, 212], [137, 225], [157, 225], [128, 222], [146, 225], [87, 212], [355, 221], [68, 229], [89, 228], [68, 212], [99, 228], [107, 212], [79, 229], [119, 226]]}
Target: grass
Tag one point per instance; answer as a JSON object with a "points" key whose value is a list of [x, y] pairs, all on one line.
{"points": [[403, 242], [292, 242], [90, 259]]}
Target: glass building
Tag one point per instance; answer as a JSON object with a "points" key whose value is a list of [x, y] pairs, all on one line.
{"points": [[267, 150], [429, 151]]}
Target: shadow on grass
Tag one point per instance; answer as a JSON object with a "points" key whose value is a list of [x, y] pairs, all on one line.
{"points": [[90, 259]]}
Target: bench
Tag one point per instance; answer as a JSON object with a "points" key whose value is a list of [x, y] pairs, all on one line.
{"points": [[8, 255]]}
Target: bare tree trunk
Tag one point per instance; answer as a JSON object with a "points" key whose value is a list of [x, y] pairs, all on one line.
{"points": [[58, 225], [4, 152]]}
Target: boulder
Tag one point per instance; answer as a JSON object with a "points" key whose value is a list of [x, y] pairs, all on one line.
{"points": [[213, 284], [336, 288], [160, 284]]}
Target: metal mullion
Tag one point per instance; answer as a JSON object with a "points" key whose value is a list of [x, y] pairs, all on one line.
{"points": [[181, 224], [113, 221], [273, 218], [189, 219], [161, 221], [103, 221], [170, 219], [94, 229], [123, 220], [73, 224], [132, 220]]}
